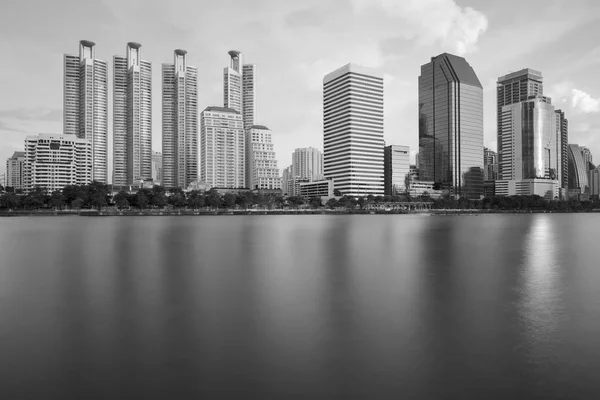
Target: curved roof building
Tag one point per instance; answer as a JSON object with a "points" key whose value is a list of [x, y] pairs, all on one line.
{"points": [[577, 169]]}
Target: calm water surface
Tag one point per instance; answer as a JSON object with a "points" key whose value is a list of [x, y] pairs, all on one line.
{"points": [[273, 307]]}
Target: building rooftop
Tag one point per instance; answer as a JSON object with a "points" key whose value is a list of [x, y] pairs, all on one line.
{"points": [[355, 68], [221, 109], [18, 154], [462, 69], [134, 45], [181, 52], [524, 73], [259, 127], [87, 43]]}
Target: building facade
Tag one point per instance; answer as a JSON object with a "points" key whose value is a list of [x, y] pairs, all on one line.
{"points": [[562, 128], [239, 89], [578, 169], [451, 126], [85, 108], [261, 164], [587, 156], [132, 117], [490, 165], [514, 88], [353, 130], [179, 122], [594, 182], [546, 188], [15, 171], [157, 167], [55, 161], [323, 189], [307, 163], [222, 148], [396, 162]]}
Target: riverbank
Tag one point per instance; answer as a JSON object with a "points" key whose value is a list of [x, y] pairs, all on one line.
{"points": [[157, 213]]}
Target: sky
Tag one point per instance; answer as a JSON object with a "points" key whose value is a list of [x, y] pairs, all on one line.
{"points": [[294, 44]]}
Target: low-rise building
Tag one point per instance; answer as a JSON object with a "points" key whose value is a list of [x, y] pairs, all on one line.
{"points": [[323, 189], [527, 187]]}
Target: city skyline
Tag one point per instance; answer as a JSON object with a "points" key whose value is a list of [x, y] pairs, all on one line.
{"points": [[397, 53]]}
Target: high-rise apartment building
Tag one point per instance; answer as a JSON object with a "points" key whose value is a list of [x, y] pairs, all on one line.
{"points": [[261, 163], [353, 130], [86, 104], [132, 117], [562, 127], [515, 88], [587, 156], [157, 167], [286, 176], [451, 126], [396, 161], [490, 165], [179, 122], [307, 162], [222, 148], [14, 170], [578, 169], [54, 161], [239, 88], [530, 148]]}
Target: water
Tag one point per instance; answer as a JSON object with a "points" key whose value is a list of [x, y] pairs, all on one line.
{"points": [[400, 306]]}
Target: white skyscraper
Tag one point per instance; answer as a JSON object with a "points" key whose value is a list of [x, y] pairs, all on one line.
{"points": [[14, 170], [261, 164], [132, 117], [54, 161], [353, 130], [179, 122], [86, 104], [239, 88], [222, 148], [307, 163]]}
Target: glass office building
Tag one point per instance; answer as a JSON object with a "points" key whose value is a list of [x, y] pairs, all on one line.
{"points": [[451, 126]]}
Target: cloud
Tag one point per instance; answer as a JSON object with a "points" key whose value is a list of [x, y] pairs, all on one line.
{"points": [[584, 101], [28, 114], [433, 21]]}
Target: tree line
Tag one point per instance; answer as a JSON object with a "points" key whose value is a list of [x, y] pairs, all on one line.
{"points": [[97, 195]]}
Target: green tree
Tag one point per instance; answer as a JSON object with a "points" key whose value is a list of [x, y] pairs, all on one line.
{"points": [[332, 203], [229, 200], [214, 198], [121, 200], [178, 200], [77, 203], [316, 202], [57, 200], [141, 200], [336, 192]]}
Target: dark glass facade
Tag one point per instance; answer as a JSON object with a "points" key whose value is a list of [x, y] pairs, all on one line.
{"points": [[451, 126]]}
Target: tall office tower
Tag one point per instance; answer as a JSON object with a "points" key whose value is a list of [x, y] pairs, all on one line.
{"points": [[593, 177], [157, 167], [222, 148], [132, 117], [578, 169], [286, 177], [239, 90], [417, 159], [261, 163], [490, 165], [451, 126], [531, 149], [55, 161], [562, 126], [515, 88], [179, 122], [353, 130], [307, 162], [587, 156], [86, 104], [14, 170], [396, 161]]}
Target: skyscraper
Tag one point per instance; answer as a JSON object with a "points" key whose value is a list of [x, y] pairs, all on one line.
{"points": [[451, 126], [562, 126], [179, 122], [222, 148], [396, 161], [307, 162], [261, 164], [14, 170], [86, 104], [239, 88], [157, 167], [587, 156], [55, 161], [132, 117], [578, 169], [530, 147], [353, 130], [515, 88], [490, 165]]}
